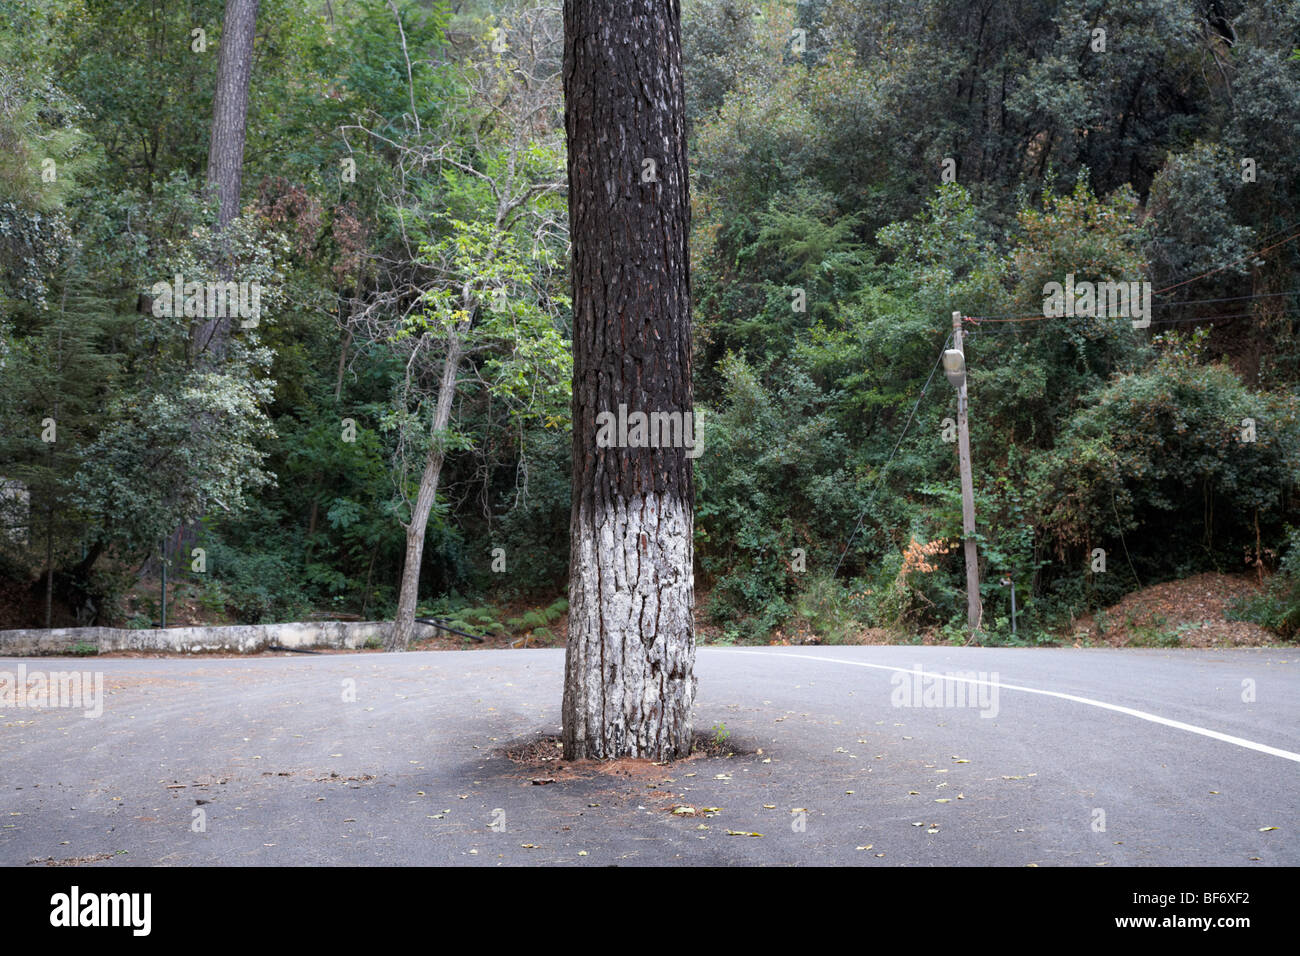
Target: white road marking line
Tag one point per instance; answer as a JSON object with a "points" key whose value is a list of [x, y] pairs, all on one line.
{"points": [[1140, 714]]}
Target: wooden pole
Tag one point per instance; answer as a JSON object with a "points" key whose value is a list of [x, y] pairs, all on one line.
{"points": [[967, 495], [163, 614]]}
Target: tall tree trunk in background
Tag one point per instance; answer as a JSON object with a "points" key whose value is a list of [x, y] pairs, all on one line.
{"points": [[210, 336], [230, 106], [226, 146], [399, 636], [629, 665], [49, 553]]}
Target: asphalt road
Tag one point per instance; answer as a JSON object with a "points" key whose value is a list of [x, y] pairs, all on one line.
{"points": [[1051, 757]]}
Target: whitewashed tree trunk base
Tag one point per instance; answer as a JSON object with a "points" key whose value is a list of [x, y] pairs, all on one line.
{"points": [[629, 680], [630, 663]]}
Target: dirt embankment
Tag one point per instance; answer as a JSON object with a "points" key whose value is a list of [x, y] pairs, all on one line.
{"points": [[1186, 613]]}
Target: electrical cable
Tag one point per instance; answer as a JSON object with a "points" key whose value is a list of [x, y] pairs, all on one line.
{"points": [[885, 467]]}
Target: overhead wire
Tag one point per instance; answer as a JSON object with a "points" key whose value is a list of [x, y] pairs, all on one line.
{"points": [[885, 467], [977, 321], [1037, 317]]}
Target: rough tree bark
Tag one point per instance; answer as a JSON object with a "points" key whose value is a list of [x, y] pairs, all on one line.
{"points": [[629, 665], [403, 629], [226, 146], [230, 107]]}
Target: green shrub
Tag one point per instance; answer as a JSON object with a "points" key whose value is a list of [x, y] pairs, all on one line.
{"points": [[1156, 471], [1277, 606], [825, 608], [772, 479], [255, 586], [534, 519]]}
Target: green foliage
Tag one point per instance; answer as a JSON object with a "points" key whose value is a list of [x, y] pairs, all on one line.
{"points": [[1156, 633], [54, 382], [480, 621], [45, 152], [1164, 455], [1036, 377], [538, 621], [1277, 605], [771, 473], [804, 160], [1195, 229], [166, 460], [530, 366], [256, 583], [824, 608], [534, 514]]}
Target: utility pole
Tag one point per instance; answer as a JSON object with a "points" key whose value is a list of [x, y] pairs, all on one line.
{"points": [[954, 366], [163, 561]]}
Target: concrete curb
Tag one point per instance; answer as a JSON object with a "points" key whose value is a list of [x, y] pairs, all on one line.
{"points": [[241, 639]]}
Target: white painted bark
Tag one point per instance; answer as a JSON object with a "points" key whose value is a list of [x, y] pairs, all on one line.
{"points": [[630, 658]]}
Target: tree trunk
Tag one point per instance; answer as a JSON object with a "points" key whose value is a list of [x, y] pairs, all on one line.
{"points": [[230, 107], [210, 335], [399, 637], [49, 564], [343, 363], [226, 145], [629, 665]]}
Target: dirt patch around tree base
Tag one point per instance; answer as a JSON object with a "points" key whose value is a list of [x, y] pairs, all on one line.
{"points": [[539, 762], [544, 753]]}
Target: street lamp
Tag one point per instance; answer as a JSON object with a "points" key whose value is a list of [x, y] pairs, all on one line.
{"points": [[954, 366]]}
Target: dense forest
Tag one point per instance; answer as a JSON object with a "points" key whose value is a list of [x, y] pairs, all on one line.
{"points": [[859, 171]]}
